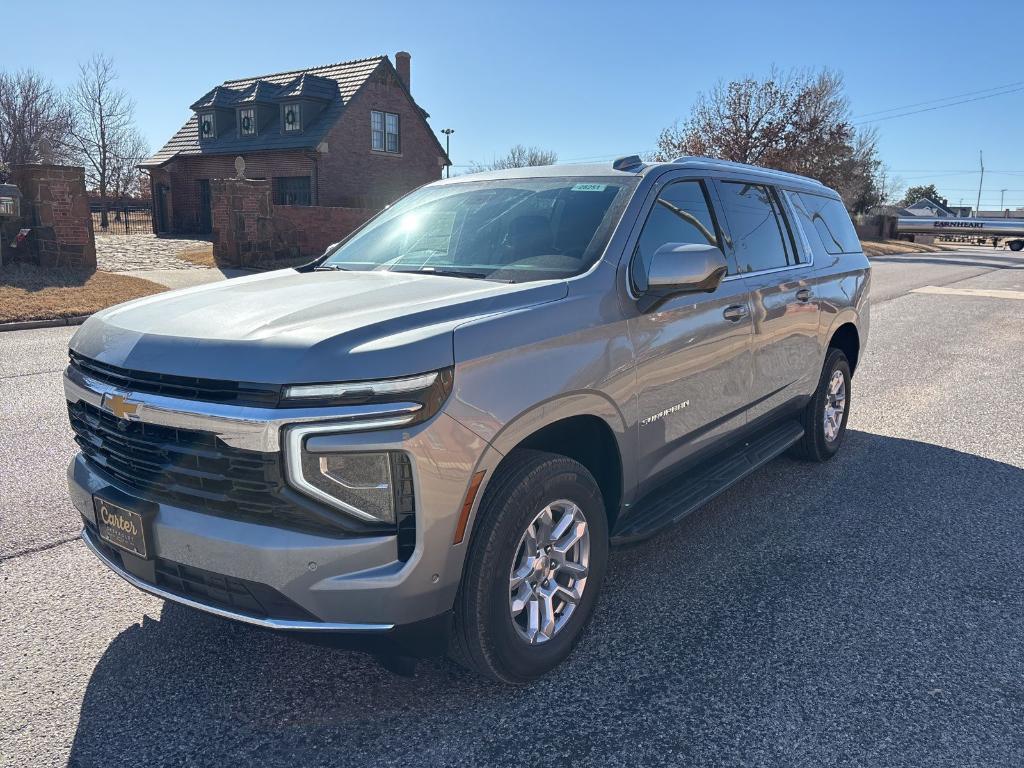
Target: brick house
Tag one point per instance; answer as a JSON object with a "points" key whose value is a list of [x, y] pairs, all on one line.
{"points": [[346, 134]]}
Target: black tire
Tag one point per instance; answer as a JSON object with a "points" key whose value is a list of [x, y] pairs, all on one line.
{"points": [[484, 638], [1016, 245], [814, 445]]}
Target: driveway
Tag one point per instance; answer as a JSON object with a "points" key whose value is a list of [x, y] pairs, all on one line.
{"points": [[863, 612]]}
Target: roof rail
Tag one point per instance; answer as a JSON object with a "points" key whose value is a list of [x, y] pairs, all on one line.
{"points": [[710, 161], [627, 162]]}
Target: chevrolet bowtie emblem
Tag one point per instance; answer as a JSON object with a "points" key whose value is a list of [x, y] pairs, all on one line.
{"points": [[120, 406]]}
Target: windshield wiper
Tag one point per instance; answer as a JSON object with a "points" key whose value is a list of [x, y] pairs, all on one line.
{"points": [[443, 272], [331, 268]]}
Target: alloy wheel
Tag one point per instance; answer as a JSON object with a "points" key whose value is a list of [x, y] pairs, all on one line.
{"points": [[549, 571], [835, 405]]}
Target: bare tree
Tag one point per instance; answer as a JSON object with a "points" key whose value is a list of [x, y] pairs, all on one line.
{"points": [[797, 122], [104, 135], [35, 121], [518, 157], [126, 180]]}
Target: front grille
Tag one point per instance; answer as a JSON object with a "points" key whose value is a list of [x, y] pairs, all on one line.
{"points": [[236, 595], [185, 387], [194, 470]]}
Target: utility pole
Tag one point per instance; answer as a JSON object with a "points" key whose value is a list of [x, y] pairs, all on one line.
{"points": [[447, 146], [1001, 208], [981, 162]]}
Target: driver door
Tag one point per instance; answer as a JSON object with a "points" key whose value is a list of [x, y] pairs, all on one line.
{"points": [[692, 352]]}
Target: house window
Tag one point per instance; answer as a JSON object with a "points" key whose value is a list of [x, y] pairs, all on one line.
{"points": [[247, 121], [384, 133], [292, 190], [207, 126], [292, 117]]}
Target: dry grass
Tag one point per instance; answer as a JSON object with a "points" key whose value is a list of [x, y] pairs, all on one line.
{"points": [[32, 293], [890, 247], [202, 257]]}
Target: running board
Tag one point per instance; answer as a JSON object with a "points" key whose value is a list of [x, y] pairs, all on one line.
{"points": [[670, 504]]}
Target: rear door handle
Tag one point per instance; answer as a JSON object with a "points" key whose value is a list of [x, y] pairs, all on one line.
{"points": [[804, 294], [735, 312]]}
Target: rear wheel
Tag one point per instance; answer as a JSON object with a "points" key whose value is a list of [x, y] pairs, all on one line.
{"points": [[534, 569], [824, 417], [1016, 245]]}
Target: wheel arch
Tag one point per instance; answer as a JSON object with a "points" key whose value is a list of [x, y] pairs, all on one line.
{"points": [[846, 337], [585, 426]]}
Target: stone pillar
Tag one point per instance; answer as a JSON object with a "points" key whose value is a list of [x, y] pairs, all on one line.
{"points": [[242, 227], [56, 207]]}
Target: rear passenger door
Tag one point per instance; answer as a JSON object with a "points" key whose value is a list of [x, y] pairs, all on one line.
{"points": [[693, 351], [778, 274]]}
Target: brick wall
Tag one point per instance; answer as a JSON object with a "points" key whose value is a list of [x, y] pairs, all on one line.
{"points": [[54, 204], [352, 174], [248, 229], [183, 175], [308, 230]]}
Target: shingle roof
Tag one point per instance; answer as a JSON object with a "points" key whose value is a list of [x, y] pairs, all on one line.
{"points": [[323, 82]]}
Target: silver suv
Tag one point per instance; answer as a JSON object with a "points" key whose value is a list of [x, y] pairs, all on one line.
{"points": [[428, 439]]}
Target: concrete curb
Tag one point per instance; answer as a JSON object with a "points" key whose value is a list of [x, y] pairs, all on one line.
{"points": [[26, 325]]}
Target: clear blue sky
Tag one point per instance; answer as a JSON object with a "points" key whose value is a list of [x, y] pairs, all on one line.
{"points": [[589, 80]]}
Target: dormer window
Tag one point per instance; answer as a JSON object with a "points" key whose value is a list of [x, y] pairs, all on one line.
{"points": [[247, 121], [207, 126], [292, 117]]}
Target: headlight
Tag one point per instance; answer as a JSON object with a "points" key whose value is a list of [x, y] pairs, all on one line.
{"points": [[362, 484], [428, 390]]}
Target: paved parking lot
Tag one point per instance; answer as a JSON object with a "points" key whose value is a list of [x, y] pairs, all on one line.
{"points": [[864, 612]]}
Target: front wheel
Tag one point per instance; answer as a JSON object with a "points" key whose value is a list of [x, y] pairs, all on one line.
{"points": [[825, 415], [534, 569]]}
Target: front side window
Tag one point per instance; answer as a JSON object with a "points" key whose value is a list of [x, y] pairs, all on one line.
{"points": [[384, 132], [207, 126], [514, 230], [759, 232], [292, 190], [827, 217], [247, 122], [292, 117], [681, 214]]}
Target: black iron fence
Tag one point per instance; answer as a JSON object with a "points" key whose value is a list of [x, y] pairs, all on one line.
{"points": [[123, 220]]}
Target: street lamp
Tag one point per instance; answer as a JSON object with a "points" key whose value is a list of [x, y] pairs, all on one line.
{"points": [[447, 146]]}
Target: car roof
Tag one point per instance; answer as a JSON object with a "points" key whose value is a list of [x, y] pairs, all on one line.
{"points": [[632, 167]]}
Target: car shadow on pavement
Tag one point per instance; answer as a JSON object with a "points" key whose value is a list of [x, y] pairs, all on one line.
{"points": [[865, 610]]}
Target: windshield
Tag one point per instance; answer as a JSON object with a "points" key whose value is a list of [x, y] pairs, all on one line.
{"points": [[513, 230]]}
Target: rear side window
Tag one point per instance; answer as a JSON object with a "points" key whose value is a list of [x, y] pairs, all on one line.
{"points": [[759, 231], [828, 217], [681, 214]]}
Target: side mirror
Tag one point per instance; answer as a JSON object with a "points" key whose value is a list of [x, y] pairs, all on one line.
{"points": [[683, 268]]}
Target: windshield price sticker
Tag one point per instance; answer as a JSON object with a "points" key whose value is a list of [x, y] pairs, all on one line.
{"points": [[589, 187]]}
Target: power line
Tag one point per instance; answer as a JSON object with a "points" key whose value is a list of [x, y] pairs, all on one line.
{"points": [[941, 106], [935, 101]]}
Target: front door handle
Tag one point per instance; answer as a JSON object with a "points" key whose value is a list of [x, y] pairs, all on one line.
{"points": [[804, 295], [735, 312]]}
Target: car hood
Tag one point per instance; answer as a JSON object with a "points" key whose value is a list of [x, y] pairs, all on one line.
{"points": [[290, 327]]}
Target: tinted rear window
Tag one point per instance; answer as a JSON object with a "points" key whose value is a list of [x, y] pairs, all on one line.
{"points": [[828, 218]]}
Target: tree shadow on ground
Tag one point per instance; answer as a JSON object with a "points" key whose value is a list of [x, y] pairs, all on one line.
{"points": [[863, 611]]}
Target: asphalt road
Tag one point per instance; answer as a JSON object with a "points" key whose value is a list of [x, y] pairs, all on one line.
{"points": [[864, 612]]}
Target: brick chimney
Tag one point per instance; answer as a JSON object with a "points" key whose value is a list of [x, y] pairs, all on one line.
{"points": [[402, 59]]}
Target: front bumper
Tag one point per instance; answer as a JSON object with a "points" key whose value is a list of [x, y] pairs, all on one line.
{"points": [[352, 584]]}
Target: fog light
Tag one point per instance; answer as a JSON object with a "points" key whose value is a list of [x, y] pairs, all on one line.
{"points": [[360, 483]]}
